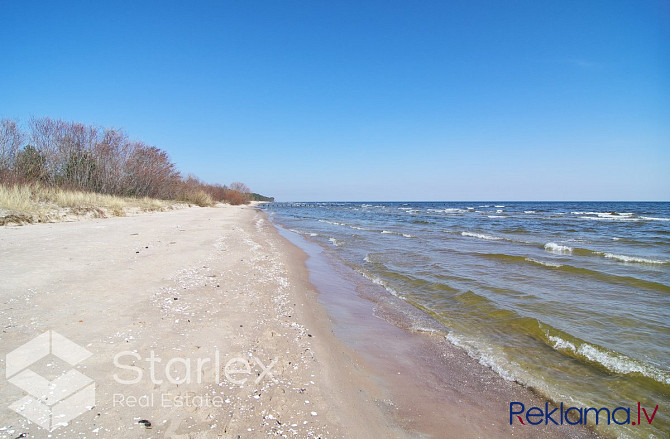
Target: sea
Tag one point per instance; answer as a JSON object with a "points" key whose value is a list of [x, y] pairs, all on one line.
{"points": [[571, 299]]}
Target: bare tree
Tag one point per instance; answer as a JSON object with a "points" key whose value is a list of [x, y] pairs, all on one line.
{"points": [[111, 154], [151, 173], [240, 187], [76, 150], [11, 140], [238, 193]]}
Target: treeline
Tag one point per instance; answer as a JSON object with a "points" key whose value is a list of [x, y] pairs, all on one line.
{"points": [[258, 197], [76, 156]]}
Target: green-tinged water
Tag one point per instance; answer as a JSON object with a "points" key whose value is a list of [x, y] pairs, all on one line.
{"points": [[571, 299]]}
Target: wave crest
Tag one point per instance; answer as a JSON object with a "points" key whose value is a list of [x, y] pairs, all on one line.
{"points": [[481, 236], [556, 248], [612, 361], [634, 259]]}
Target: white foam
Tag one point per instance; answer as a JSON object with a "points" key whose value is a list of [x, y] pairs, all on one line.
{"points": [[495, 359], [481, 355], [499, 211], [610, 216], [498, 206], [529, 211], [425, 329], [624, 258], [481, 236], [614, 362], [496, 216], [334, 241], [653, 218], [561, 344], [621, 364], [547, 264], [449, 210], [406, 235], [367, 258], [335, 223], [378, 281], [555, 248], [605, 214]]}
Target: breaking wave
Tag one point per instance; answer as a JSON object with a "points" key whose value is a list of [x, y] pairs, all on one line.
{"points": [[614, 362], [556, 248], [481, 236]]}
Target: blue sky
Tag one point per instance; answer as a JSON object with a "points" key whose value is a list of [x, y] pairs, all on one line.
{"points": [[364, 100]]}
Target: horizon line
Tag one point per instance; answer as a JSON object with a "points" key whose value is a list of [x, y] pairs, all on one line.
{"points": [[469, 201]]}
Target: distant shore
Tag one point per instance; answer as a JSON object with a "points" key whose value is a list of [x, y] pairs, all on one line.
{"points": [[278, 356]]}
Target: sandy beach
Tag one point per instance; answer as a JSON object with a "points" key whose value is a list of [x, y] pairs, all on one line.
{"points": [[342, 220], [205, 323]]}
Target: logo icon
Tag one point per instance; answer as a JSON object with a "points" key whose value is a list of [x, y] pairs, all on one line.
{"points": [[50, 404]]}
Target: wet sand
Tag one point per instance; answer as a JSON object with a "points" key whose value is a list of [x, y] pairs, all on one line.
{"points": [[433, 388]]}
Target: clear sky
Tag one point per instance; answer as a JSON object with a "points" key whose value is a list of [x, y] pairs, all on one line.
{"points": [[364, 100]]}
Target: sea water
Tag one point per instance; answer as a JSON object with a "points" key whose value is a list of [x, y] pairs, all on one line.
{"points": [[571, 299]]}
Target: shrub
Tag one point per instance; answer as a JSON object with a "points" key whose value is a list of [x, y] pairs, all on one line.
{"points": [[31, 165], [197, 197], [86, 158], [236, 197]]}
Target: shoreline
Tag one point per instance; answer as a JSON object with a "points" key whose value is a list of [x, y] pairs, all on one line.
{"points": [[432, 385], [222, 284]]}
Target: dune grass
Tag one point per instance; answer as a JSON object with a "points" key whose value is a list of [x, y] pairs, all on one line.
{"points": [[35, 203], [196, 196]]}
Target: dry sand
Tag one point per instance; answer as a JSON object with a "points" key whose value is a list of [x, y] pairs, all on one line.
{"points": [[184, 284], [219, 286]]}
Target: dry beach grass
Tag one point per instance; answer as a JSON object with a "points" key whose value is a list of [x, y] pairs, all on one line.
{"points": [[31, 203]]}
